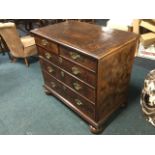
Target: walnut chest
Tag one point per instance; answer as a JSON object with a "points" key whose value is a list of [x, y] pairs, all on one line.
{"points": [[87, 67]]}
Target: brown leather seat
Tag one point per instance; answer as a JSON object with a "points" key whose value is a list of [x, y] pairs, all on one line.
{"points": [[23, 47]]}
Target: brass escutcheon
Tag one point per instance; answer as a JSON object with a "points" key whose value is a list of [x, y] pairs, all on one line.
{"points": [[64, 87], [62, 74], [60, 60]]}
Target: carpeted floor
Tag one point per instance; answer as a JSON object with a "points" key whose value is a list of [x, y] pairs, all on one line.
{"points": [[25, 109]]}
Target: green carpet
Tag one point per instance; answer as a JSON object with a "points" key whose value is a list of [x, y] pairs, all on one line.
{"points": [[25, 109]]}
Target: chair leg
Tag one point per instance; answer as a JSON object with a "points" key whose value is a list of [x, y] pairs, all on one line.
{"points": [[3, 52], [26, 62], [9, 55], [14, 59]]}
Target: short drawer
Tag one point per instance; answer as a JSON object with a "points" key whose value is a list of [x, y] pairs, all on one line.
{"points": [[48, 55], [49, 45], [76, 101], [85, 61], [69, 80], [79, 72]]}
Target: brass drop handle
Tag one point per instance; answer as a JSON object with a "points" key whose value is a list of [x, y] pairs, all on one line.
{"points": [[74, 55], [77, 86], [44, 42], [48, 55], [78, 102], [75, 70], [50, 69], [53, 84]]}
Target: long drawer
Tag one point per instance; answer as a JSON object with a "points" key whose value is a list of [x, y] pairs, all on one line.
{"points": [[77, 85], [79, 72], [77, 101]]}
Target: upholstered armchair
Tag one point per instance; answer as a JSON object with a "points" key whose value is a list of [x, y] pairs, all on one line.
{"points": [[23, 47]]}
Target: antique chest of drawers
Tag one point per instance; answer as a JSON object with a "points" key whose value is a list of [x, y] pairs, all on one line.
{"points": [[87, 67]]}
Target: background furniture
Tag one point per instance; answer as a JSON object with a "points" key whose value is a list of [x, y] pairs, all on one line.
{"points": [[30, 24], [3, 48], [147, 100], [124, 25], [23, 47], [86, 67], [146, 29], [148, 36]]}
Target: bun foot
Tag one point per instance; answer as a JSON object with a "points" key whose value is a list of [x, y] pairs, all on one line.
{"points": [[47, 92], [95, 130], [124, 105]]}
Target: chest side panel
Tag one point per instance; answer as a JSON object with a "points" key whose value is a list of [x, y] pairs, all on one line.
{"points": [[114, 72]]}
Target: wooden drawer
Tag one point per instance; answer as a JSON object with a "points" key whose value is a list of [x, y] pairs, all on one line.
{"points": [[49, 45], [79, 72], [78, 86], [85, 61], [76, 70], [77, 102], [48, 55]]}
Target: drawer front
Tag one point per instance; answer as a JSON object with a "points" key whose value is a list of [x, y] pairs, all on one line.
{"points": [[48, 55], [77, 57], [78, 72], [49, 45], [75, 84], [77, 102]]}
